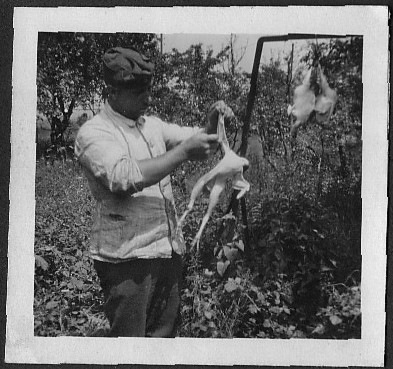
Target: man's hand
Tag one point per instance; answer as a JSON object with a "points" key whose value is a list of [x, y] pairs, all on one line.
{"points": [[197, 147], [215, 110], [200, 146]]}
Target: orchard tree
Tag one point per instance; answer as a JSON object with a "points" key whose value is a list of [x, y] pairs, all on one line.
{"points": [[270, 109], [69, 72], [187, 83], [234, 55], [58, 80]]}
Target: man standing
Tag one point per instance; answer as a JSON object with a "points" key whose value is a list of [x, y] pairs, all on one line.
{"points": [[127, 158]]}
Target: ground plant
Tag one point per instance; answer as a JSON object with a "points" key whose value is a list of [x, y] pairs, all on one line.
{"points": [[288, 267]]}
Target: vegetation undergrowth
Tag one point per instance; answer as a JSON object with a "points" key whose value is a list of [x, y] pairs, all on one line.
{"points": [[223, 294]]}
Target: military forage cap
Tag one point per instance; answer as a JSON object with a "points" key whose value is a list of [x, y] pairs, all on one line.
{"points": [[127, 67]]}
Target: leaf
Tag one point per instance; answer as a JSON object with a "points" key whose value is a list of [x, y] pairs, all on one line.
{"points": [[286, 310], [226, 250], [266, 323], [199, 326], [81, 320], [230, 253], [77, 283], [222, 267], [208, 314], [41, 262], [275, 310], [298, 334], [231, 286], [261, 297], [252, 309], [51, 305], [240, 245], [319, 329], [335, 320], [228, 216]]}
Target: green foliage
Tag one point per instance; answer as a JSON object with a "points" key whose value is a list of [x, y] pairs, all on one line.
{"points": [[70, 65], [233, 307], [69, 73], [186, 84], [271, 123], [242, 306], [240, 301], [67, 296], [342, 315]]}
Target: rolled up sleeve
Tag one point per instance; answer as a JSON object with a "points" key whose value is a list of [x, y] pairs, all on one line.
{"points": [[98, 152]]}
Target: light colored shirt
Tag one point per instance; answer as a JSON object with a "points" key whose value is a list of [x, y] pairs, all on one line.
{"points": [[132, 221]]}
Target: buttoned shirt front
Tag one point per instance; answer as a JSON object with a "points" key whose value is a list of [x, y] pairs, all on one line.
{"points": [[132, 221]]}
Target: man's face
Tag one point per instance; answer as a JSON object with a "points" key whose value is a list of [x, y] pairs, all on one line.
{"points": [[132, 102]]}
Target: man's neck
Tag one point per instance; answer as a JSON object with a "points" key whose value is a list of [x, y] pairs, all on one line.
{"points": [[117, 109]]}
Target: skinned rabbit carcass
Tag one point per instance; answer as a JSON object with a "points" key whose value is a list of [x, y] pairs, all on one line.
{"points": [[325, 101], [230, 167], [303, 103], [313, 95]]}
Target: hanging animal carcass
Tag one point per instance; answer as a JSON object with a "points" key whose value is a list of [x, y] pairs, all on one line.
{"points": [[230, 167], [313, 95]]}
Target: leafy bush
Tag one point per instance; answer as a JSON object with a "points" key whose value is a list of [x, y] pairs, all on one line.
{"points": [[342, 317], [67, 296], [242, 306], [233, 307]]}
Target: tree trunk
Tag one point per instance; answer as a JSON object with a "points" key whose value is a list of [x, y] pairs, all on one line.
{"points": [[59, 126], [343, 161]]}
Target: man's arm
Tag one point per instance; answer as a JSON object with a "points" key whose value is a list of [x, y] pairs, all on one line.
{"points": [[197, 147]]}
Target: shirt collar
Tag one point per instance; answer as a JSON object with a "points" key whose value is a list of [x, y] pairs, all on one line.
{"points": [[118, 117]]}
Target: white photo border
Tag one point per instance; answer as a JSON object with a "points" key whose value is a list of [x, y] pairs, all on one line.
{"points": [[369, 21]]}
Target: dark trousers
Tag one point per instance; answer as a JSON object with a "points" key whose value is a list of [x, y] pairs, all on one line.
{"points": [[142, 296]]}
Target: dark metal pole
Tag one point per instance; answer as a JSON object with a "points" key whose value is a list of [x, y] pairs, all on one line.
{"points": [[251, 97]]}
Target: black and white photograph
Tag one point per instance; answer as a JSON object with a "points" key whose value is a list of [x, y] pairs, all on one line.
{"points": [[210, 191]]}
